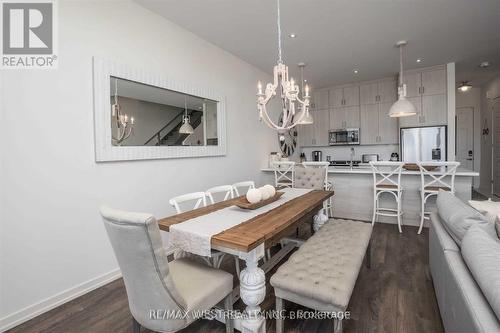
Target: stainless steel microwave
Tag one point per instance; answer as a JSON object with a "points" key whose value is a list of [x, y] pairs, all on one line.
{"points": [[346, 136]]}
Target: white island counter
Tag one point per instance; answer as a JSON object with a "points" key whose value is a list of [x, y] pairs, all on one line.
{"points": [[353, 188]]}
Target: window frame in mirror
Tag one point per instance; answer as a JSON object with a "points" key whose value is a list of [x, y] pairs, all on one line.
{"points": [[105, 151]]}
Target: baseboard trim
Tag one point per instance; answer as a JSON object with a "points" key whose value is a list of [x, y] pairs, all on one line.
{"points": [[52, 302]]}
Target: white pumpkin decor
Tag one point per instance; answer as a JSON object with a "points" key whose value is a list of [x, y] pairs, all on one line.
{"points": [[270, 189], [254, 195], [265, 192]]}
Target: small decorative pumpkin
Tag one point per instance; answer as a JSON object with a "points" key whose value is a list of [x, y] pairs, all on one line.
{"points": [[270, 189], [265, 192], [254, 195]]}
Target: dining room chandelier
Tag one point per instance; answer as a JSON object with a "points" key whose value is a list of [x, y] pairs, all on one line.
{"points": [[288, 93], [124, 125]]}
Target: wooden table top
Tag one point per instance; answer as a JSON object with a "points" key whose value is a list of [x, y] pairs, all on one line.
{"points": [[249, 234]]}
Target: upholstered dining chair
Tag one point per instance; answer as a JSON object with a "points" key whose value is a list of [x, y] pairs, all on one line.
{"points": [[199, 199], [246, 185], [154, 285], [328, 184]]}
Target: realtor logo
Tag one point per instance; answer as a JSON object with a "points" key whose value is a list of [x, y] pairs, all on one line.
{"points": [[28, 31]]}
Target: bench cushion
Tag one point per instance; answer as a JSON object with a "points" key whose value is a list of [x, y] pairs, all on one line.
{"points": [[322, 273]]}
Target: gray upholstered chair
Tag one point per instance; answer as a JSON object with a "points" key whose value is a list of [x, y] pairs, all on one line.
{"points": [[153, 285], [313, 178]]}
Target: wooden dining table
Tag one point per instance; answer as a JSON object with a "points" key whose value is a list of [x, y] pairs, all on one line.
{"points": [[250, 239]]}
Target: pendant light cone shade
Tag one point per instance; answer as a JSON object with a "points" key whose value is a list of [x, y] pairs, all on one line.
{"points": [[403, 107], [186, 127], [307, 120]]}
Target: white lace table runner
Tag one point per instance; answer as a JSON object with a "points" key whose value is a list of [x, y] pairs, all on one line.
{"points": [[194, 235]]}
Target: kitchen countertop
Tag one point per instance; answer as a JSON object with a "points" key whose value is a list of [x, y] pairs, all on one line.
{"points": [[365, 169]]}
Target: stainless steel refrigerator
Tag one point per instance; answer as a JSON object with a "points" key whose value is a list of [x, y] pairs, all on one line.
{"points": [[422, 144]]}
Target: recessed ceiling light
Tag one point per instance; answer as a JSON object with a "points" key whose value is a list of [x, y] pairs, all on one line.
{"points": [[292, 35], [356, 71], [305, 80], [484, 64], [419, 60]]}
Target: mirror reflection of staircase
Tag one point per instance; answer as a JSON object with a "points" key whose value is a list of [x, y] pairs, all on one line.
{"points": [[169, 134]]}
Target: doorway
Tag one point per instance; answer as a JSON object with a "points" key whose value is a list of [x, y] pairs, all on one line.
{"points": [[465, 137]]}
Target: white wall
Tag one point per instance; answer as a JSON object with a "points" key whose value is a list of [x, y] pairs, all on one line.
{"points": [[472, 99], [54, 243], [492, 89]]}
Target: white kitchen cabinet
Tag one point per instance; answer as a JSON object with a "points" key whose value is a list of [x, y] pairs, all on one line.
{"points": [[434, 82], [387, 91], [376, 126], [378, 92], [369, 124], [337, 97], [434, 110], [344, 96], [413, 121], [320, 99], [321, 126], [387, 126], [344, 117], [351, 95], [368, 93], [413, 82]]}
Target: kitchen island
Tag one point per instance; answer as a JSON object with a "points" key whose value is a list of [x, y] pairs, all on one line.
{"points": [[353, 197]]}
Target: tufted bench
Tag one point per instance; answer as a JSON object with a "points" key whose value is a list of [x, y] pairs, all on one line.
{"points": [[322, 273]]}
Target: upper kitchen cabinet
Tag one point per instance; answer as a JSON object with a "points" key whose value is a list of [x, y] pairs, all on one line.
{"points": [[426, 89], [344, 117], [376, 126], [320, 99], [378, 91], [344, 96]]}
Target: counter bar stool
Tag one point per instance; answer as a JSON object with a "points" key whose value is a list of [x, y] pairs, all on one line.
{"points": [[200, 200], [432, 182], [328, 185], [384, 182], [284, 173]]}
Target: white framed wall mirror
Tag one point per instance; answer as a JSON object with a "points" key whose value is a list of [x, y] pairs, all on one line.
{"points": [[143, 115]]}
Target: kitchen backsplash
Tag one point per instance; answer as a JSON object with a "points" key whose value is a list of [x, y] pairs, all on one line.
{"points": [[344, 152]]}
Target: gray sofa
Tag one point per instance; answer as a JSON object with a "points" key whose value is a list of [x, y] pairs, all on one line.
{"points": [[466, 302]]}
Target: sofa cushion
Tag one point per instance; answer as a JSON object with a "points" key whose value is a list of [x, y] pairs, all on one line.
{"points": [[497, 225], [457, 216], [481, 252], [490, 209]]}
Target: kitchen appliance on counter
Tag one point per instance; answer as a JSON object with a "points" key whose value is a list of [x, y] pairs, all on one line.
{"points": [[423, 144], [394, 157], [341, 137], [317, 156], [345, 163], [367, 158]]}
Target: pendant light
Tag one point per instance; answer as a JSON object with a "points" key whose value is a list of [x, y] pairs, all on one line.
{"points": [[186, 127], [307, 119], [465, 86], [403, 107]]}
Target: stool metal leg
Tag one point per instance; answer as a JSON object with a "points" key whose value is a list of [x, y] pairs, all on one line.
{"points": [[422, 215], [398, 199]]}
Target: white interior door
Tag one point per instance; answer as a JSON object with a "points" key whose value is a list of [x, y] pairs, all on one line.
{"points": [[465, 137], [496, 147]]}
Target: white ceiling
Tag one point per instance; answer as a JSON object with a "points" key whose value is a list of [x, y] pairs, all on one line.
{"points": [[334, 37]]}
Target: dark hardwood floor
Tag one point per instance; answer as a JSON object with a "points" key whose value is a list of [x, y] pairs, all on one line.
{"points": [[395, 295]]}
